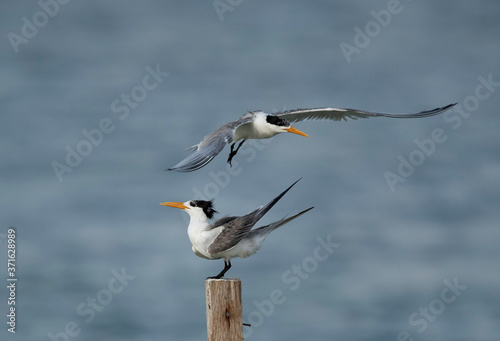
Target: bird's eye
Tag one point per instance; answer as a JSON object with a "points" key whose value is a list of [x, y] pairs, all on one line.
{"points": [[277, 121], [192, 203]]}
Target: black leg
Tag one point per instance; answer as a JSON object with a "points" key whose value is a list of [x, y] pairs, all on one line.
{"points": [[242, 141], [227, 266], [233, 152]]}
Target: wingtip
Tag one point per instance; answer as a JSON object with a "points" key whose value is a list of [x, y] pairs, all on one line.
{"points": [[175, 169], [180, 170], [290, 187], [293, 184]]}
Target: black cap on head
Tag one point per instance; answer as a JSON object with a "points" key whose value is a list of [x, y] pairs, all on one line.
{"points": [[206, 206], [277, 121]]}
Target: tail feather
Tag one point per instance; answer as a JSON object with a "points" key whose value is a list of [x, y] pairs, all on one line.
{"points": [[265, 230]]}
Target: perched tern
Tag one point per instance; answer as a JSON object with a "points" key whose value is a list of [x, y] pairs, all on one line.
{"points": [[230, 236], [260, 125]]}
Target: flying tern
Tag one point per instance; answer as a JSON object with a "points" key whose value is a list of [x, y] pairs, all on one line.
{"points": [[260, 125], [230, 236]]}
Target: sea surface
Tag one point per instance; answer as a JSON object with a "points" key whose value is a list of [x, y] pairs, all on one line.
{"points": [[98, 98]]}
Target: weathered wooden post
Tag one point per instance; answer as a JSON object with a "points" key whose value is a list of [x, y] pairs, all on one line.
{"points": [[224, 312]]}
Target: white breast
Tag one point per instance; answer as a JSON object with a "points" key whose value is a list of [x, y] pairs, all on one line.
{"points": [[200, 237]]}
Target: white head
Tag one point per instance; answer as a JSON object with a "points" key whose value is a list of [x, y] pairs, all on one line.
{"points": [[280, 125], [195, 208]]}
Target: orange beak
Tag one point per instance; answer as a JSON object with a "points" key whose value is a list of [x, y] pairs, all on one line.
{"points": [[175, 204], [296, 131]]}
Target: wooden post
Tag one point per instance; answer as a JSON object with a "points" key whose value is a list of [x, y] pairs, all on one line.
{"points": [[224, 312]]}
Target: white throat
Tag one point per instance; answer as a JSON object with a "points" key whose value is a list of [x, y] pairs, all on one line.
{"points": [[262, 129], [256, 129], [198, 222]]}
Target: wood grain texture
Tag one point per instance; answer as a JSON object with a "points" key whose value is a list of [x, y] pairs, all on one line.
{"points": [[224, 311]]}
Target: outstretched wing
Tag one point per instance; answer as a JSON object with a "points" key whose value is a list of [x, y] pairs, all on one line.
{"points": [[336, 114], [206, 150], [235, 228], [211, 145]]}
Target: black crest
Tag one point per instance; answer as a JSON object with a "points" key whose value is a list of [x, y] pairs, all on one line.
{"points": [[277, 121], [206, 206]]}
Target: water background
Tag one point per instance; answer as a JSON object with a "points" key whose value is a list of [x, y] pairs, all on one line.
{"points": [[398, 246]]}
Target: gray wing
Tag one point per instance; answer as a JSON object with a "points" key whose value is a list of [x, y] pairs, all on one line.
{"points": [[206, 150], [211, 145], [236, 228], [264, 230], [336, 114]]}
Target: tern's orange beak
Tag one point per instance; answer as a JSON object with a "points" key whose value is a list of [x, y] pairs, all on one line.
{"points": [[296, 131], [175, 204]]}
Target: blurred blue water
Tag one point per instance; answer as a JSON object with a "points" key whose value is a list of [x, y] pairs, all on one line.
{"points": [[396, 247]]}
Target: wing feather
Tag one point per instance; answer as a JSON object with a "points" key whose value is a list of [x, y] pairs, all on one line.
{"points": [[211, 145], [337, 114], [206, 150], [264, 230], [232, 233], [236, 228]]}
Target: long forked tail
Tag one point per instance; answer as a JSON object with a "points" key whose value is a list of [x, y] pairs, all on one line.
{"points": [[265, 230]]}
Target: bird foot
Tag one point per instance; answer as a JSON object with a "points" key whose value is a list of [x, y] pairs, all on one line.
{"points": [[233, 152], [230, 158], [227, 265]]}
